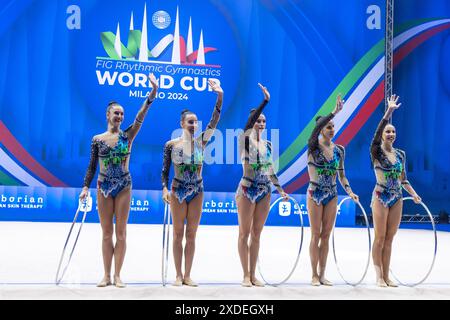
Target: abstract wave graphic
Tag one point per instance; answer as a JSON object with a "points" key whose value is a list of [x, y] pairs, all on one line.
{"points": [[21, 166], [363, 85], [292, 161]]}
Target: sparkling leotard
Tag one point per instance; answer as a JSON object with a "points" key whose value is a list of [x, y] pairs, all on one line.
{"points": [[187, 157], [390, 176], [114, 162], [256, 156], [322, 171]]}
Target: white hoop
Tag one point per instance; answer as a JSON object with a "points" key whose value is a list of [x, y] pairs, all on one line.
{"points": [[299, 249], [435, 249], [85, 206], [370, 243], [165, 244]]}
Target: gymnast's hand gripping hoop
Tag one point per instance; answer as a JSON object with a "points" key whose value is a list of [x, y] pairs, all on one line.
{"points": [[85, 206]]}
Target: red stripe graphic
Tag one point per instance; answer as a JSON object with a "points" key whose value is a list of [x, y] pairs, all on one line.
{"points": [[13, 146]]}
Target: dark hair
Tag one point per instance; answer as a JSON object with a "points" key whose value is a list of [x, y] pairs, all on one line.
{"points": [[184, 113], [110, 104], [253, 110], [318, 118]]}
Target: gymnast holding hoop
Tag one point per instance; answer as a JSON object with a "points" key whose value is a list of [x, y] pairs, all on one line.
{"points": [[112, 150], [186, 196], [325, 162], [253, 193], [387, 204]]}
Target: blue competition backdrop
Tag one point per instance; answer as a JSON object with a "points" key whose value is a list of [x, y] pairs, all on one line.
{"points": [[61, 62]]}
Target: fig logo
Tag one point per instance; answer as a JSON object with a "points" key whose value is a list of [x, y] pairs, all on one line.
{"points": [[161, 19], [284, 208], [137, 47]]}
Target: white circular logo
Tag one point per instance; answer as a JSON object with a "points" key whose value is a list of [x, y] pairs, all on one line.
{"points": [[161, 19]]}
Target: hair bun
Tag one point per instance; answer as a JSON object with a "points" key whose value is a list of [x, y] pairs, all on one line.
{"points": [[318, 118]]}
